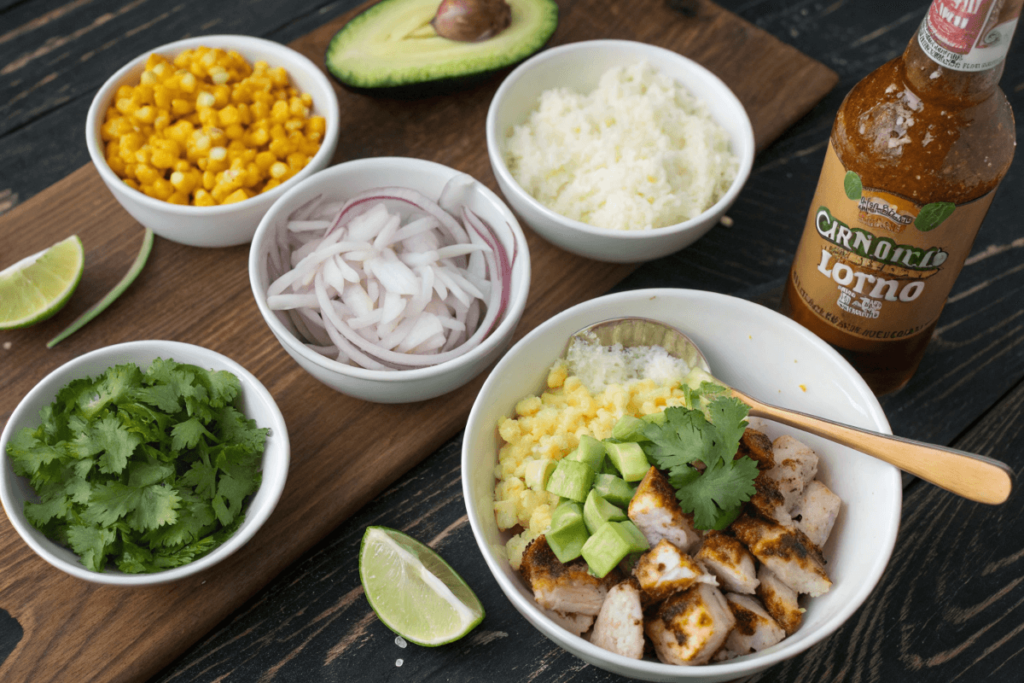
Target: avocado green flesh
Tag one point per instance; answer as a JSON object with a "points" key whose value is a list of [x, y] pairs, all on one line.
{"points": [[392, 44]]}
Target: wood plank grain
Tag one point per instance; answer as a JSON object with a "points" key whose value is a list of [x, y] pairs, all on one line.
{"points": [[341, 458]]}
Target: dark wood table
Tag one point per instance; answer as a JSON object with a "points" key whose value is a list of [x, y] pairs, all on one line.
{"points": [[949, 607]]}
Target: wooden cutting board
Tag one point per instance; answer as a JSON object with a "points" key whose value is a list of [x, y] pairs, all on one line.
{"points": [[345, 451]]}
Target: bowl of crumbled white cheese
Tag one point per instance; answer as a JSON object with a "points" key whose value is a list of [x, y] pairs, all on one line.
{"points": [[617, 150]]}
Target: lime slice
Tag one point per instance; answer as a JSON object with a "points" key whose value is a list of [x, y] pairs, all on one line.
{"points": [[413, 591], [36, 287]]}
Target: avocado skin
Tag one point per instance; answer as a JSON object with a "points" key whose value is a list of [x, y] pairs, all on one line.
{"points": [[415, 90]]}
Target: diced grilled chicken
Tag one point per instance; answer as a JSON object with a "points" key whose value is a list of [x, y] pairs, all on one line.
{"points": [[796, 465], [787, 552], [730, 562], [561, 587], [656, 512], [664, 570], [620, 625], [779, 600], [768, 500], [689, 627], [576, 624], [816, 511], [755, 630]]}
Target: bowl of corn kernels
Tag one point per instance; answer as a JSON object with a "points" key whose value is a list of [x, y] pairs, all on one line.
{"points": [[196, 139]]}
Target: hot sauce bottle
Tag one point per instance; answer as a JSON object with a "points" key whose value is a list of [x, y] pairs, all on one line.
{"points": [[916, 153]]}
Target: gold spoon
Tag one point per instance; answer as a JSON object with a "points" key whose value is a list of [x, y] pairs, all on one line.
{"points": [[971, 476]]}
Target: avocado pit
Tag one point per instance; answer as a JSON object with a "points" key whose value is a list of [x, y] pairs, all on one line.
{"points": [[470, 21]]}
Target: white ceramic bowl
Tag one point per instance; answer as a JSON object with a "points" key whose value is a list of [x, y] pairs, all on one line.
{"points": [[404, 386], [213, 226], [759, 352], [256, 403], [579, 66]]}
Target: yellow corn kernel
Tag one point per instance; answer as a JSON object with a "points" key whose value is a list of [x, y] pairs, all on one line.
{"points": [[116, 165], [218, 159], [280, 171], [297, 160], [278, 76], [162, 188], [234, 131], [129, 170], [259, 110], [207, 116], [270, 185], [181, 107], [142, 94], [277, 132], [221, 95], [162, 120], [258, 137], [146, 114], [309, 148], [178, 198], [143, 155], [188, 83], [281, 148], [252, 176], [125, 91], [209, 180], [153, 60], [204, 198], [200, 143], [162, 97], [205, 99], [229, 115], [180, 132], [182, 166], [202, 163], [279, 112], [316, 124], [307, 99], [125, 106], [238, 195], [264, 160], [146, 174], [297, 108], [131, 183], [294, 125]]}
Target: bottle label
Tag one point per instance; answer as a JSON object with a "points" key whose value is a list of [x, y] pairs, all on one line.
{"points": [[875, 264], [963, 34]]}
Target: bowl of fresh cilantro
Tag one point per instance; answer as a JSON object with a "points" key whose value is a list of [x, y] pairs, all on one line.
{"points": [[521, 469], [143, 462]]}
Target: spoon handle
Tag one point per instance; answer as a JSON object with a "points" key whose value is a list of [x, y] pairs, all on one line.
{"points": [[974, 477]]}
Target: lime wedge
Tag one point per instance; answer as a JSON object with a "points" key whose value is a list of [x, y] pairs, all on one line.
{"points": [[413, 591], [36, 287]]}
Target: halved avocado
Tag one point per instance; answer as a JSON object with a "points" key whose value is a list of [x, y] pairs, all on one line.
{"points": [[391, 50]]}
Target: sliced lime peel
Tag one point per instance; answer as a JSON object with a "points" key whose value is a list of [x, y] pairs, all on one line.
{"points": [[112, 295], [36, 287], [413, 591]]}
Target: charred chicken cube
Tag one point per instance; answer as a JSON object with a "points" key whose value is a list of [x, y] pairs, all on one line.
{"points": [[816, 512], [561, 587], [769, 500], [576, 624], [691, 626], [664, 570], [780, 601], [796, 465], [656, 512], [787, 552], [620, 625], [755, 630], [730, 562]]}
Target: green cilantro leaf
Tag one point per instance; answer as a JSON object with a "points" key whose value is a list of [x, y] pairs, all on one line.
{"points": [[722, 486], [147, 470], [683, 438], [729, 417], [92, 544]]}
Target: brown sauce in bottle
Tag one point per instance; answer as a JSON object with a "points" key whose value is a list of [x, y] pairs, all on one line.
{"points": [[920, 138]]}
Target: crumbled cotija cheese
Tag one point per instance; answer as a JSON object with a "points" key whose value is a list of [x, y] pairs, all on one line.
{"points": [[599, 367], [640, 152]]}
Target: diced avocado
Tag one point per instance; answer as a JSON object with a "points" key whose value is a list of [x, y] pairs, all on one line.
{"points": [[614, 489], [597, 511], [606, 548], [390, 49], [568, 532], [655, 418], [571, 479], [609, 467], [629, 459], [629, 428], [697, 376], [637, 542], [537, 473], [590, 452]]}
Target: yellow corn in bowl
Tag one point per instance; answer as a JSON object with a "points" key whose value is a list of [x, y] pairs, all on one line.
{"points": [[196, 139]]}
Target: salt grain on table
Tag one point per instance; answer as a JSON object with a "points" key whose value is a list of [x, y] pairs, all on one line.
{"points": [[400, 642], [399, 662]]}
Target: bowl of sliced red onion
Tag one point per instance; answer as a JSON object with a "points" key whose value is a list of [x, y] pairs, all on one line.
{"points": [[391, 279]]}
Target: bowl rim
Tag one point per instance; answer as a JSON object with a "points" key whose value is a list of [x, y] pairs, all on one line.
{"points": [[226, 41], [510, 183], [517, 298], [750, 663], [123, 352]]}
